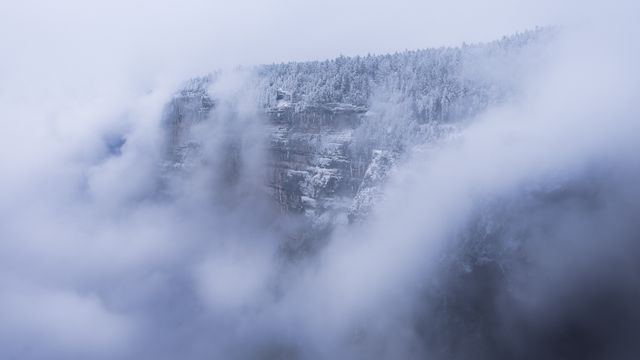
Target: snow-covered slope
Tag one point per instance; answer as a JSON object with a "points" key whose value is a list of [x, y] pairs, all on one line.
{"points": [[335, 128]]}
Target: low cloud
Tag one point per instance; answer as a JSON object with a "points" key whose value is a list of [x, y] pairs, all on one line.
{"points": [[103, 255]]}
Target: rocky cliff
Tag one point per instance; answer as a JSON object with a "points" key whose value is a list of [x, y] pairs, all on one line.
{"points": [[335, 129]]}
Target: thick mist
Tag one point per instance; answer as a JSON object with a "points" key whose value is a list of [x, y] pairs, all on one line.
{"points": [[515, 237]]}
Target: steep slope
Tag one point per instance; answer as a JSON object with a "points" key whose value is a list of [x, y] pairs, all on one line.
{"points": [[335, 128]]}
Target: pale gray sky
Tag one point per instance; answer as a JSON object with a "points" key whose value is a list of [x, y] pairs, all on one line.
{"points": [[191, 36]]}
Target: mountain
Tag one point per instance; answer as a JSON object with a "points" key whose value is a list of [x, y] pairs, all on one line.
{"points": [[336, 128]]}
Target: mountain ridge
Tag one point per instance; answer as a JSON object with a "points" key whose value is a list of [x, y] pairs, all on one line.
{"points": [[335, 128]]}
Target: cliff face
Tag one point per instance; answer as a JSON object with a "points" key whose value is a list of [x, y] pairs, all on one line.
{"points": [[313, 171], [312, 168], [335, 129]]}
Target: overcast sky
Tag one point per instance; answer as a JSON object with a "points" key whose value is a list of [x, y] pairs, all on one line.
{"points": [[155, 38]]}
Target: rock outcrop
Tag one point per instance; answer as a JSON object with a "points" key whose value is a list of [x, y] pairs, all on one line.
{"points": [[335, 129]]}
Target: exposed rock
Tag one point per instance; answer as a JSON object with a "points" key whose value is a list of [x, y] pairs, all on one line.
{"points": [[335, 129]]}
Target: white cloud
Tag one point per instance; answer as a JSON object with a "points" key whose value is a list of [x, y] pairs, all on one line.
{"points": [[98, 265]]}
